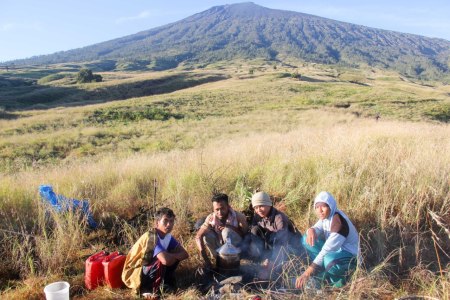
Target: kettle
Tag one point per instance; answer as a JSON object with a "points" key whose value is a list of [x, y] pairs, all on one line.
{"points": [[228, 256]]}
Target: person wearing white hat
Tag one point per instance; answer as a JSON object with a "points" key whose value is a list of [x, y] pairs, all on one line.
{"points": [[270, 232], [332, 244]]}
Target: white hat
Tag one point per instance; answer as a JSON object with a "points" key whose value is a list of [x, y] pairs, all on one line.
{"points": [[261, 198]]}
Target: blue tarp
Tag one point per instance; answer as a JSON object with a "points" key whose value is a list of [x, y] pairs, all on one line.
{"points": [[62, 204]]}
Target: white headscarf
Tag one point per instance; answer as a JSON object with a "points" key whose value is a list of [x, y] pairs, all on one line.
{"points": [[327, 198]]}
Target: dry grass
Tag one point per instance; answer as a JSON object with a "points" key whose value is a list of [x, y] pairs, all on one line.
{"points": [[253, 131], [266, 101], [385, 176]]}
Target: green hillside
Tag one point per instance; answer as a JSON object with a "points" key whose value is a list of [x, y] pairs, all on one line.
{"points": [[53, 118], [248, 31]]}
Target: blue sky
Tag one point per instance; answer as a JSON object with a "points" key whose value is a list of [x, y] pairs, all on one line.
{"points": [[34, 27]]}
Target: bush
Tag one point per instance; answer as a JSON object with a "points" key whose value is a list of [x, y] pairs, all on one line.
{"points": [[131, 115], [85, 75], [296, 75], [283, 75], [439, 113], [98, 78]]}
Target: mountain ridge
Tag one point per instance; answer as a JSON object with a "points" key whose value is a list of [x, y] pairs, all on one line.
{"points": [[246, 30]]}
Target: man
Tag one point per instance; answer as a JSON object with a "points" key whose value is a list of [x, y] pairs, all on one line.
{"points": [[271, 233], [154, 257], [223, 223]]}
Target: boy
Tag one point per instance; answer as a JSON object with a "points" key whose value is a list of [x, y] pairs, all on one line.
{"points": [[154, 257]]}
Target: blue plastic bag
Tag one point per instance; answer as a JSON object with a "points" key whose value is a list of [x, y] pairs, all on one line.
{"points": [[62, 204]]}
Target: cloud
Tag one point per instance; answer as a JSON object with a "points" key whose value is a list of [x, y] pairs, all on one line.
{"points": [[8, 27], [142, 15]]}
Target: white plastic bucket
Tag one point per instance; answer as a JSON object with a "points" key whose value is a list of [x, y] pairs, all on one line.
{"points": [[57, 291]]}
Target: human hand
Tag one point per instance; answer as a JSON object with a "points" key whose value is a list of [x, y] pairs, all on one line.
{"points": [[301, 280], [311, 237], [221, 225]]}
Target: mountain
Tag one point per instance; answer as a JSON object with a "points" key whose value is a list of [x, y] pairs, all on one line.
{"points": [[247, 30]]}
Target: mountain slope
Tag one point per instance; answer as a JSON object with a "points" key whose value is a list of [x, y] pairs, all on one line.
{"points": [[247, 30]]}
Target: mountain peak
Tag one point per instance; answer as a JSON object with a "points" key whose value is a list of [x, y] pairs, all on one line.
{"points": [[247, 30], [243, 6], [243, 9]]}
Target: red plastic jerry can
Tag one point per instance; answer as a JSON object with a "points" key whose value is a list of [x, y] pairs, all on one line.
{"points": [[113, 267], [94, 275]]}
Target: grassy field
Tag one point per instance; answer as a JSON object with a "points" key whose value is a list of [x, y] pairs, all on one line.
{"points": [[233, 128], [156, 111]]}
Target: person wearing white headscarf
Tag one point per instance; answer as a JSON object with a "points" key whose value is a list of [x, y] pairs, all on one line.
{"points": [[332, 243]]}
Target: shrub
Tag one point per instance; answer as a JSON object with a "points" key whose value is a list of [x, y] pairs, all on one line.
{"points": [[296, 75], [283, 75], [85, 75], [129, 114], [439, 113]]}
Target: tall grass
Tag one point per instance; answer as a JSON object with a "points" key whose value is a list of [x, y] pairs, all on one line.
{"points": [[385, 175], [132, 120]]}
